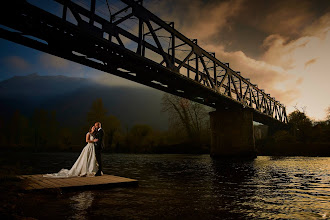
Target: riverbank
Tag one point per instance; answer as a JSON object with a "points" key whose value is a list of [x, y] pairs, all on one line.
{"points": [[263, 147], [293, 149], [178, 148]]}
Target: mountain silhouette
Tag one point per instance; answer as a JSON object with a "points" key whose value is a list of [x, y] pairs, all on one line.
{"points": [[72, 97]]}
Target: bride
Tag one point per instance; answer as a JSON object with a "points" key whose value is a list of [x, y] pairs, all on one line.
{"points": [[85, 165]]}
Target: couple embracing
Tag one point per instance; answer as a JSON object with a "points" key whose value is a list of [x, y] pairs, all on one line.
{"points": [[89, 163]]}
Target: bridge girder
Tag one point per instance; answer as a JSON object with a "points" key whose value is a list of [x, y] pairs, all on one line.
{"points": [[92, 40]]}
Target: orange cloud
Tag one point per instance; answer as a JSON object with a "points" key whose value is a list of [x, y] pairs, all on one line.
{"points": [[205, 20], [55, 64], [266, 76], [295, 56], [50, 61], [199, 19], [299, 81], [17, 63], [309, 62], [276, 53], [319, 27]]}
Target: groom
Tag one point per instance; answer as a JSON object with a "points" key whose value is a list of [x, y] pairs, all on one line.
{"points": [[99, 144]]}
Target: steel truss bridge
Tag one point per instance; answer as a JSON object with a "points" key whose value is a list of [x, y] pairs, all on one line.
{"points": [[127, 40]]}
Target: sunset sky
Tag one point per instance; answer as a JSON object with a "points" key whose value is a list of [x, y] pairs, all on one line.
{"points": [[283, 46]]}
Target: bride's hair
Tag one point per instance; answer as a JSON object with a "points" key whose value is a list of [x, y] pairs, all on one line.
{"points": [[90, 130]]}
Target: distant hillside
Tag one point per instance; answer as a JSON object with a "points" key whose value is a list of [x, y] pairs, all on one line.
{"points": [[41, 87], [72, 97]]}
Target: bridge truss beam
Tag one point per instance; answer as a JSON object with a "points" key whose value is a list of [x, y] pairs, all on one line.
{"points": [[139, 53]]}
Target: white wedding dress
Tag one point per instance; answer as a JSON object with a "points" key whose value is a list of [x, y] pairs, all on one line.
{"points": [[85, 165]]}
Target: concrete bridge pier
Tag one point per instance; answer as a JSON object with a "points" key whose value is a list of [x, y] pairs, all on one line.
{"points": [[232, 133]]}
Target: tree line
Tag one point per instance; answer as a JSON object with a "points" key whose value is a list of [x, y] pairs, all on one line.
{"points": [[303, 136], [188, 132], [43, 132]]}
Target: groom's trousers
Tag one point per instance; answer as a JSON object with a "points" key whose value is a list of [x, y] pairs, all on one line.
{"points": [[98, 158]]}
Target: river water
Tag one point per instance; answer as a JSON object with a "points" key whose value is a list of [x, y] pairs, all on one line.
{"points": [[189, 187]]}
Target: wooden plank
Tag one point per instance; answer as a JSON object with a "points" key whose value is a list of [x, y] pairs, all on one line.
{"points": [[57, 182], [36, 182], [50, 183], [35, 186], [78, 182], [67, 182]]}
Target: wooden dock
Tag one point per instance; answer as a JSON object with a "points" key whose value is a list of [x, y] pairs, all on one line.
{"points": [[38, 182]]}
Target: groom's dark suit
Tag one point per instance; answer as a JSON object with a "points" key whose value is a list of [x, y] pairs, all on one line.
{"points": [[98, 148]]}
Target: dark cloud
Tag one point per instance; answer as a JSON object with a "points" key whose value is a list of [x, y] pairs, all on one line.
{"points": [[257, 37], [241, 24], [197, 19]]}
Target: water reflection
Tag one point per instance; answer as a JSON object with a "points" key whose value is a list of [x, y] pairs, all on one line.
{"points": [[194, 187], [296, 188], [229, 183], [81, 202]]}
